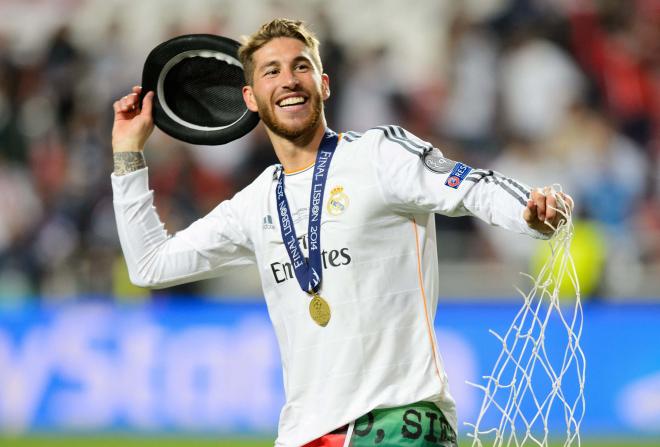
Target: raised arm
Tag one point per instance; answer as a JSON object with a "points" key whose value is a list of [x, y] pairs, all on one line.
{"points": [[208, 247]]}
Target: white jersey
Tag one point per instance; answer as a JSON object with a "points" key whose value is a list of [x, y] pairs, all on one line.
{"points": [[380, 269]]}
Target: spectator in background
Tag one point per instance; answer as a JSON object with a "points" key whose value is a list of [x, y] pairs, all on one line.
{"points": [[62, 64], [334, 54], [468, 114], [538, 82], [21, 211], [366, 103]]}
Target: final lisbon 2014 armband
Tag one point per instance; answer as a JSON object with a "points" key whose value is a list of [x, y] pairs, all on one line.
{"points": [[127, 162]]}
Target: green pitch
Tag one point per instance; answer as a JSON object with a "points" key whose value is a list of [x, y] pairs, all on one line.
{"points": [[131, 441]]}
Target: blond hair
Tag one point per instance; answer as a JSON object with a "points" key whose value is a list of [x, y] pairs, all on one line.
{"points": [[271, 30]]}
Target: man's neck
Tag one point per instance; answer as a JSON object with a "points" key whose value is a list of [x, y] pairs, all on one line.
{"points": [[299, 154]]}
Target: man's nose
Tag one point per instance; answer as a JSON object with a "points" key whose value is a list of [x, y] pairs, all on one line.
{"points": [[291, 80]]}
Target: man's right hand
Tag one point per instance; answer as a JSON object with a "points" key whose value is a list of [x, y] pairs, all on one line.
{"points": [[132, 125]]}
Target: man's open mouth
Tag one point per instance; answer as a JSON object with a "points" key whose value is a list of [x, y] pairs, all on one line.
{"points": [[292, 101]]}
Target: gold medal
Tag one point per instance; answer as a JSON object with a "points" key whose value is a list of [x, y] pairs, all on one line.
{"points": [[319, 310]]}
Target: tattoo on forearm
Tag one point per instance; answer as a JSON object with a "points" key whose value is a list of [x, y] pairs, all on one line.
{"points": [[126, 162]]}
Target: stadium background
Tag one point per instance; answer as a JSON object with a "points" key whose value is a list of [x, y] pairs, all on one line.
{"points": [[547, 91]]}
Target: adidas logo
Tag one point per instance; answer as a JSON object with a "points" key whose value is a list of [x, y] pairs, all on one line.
{"points": [[268, 222]]}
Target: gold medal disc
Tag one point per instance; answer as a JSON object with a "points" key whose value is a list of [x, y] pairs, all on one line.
{"points": [[319, 310]]}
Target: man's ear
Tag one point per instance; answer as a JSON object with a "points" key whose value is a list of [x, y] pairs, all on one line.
{"points": [[325, 86], [248, 97]]}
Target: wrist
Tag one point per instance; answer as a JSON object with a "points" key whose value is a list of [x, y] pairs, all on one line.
{"points": [[127, 146], [126, 162]]}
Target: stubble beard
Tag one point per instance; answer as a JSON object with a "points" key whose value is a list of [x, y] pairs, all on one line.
{"points": [[295, 132]]}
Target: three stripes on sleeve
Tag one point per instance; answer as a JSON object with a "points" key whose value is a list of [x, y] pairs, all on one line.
{"points": [[398, 136]]}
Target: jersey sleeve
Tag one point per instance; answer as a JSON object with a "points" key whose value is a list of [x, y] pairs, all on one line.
{"points": [[415, 177], [208, 247]]}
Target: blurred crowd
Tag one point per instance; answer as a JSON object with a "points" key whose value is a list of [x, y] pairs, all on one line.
{"points": [[546, 91]]}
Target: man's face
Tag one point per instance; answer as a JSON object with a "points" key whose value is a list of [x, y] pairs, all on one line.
{"points": [[287, 89]]}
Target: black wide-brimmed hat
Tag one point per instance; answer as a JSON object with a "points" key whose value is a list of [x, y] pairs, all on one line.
{"points": [[197, 80]]}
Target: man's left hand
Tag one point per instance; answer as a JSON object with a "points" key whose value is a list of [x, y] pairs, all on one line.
{"points": [[541, 212]]}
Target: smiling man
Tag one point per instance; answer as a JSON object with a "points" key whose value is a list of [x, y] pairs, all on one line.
{"points": [[351, 283]]}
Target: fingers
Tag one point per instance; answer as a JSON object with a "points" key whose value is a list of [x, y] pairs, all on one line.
{"points": [[550, 206], [130, 102], [538, 196], [547, 203], [147, 104], [123, 105], [546, 208], [530, 211]]}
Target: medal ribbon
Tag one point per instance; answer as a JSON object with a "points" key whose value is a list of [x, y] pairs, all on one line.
{"points": [[308, 271]]}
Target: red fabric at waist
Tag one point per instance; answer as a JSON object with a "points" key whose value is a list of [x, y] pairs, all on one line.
{"points": [[334, 439], [328, 441]]}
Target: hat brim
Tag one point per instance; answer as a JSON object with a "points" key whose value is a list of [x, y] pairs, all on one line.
{"points": [[157, 65]]}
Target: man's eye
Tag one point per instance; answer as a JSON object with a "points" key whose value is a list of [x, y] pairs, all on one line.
{"points": [[271, 72], [302, 67]]}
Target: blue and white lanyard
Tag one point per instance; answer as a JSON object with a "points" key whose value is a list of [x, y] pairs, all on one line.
{"points": [[309, 272]]}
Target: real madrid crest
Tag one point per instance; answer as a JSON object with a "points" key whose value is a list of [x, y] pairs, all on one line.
{"points": [[338, 201], [436, 162]]}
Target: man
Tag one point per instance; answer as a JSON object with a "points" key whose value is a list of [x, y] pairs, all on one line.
{"points": [[349, 270]]}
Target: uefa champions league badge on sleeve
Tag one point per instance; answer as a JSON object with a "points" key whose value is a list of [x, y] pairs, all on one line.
{"points": [[434, 161], [457, 175]]}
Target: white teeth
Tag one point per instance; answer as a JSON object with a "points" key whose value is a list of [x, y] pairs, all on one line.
{"points": [[292, 101]]}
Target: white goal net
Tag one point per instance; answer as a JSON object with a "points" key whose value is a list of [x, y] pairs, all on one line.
{"points": [[538, 377]]}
